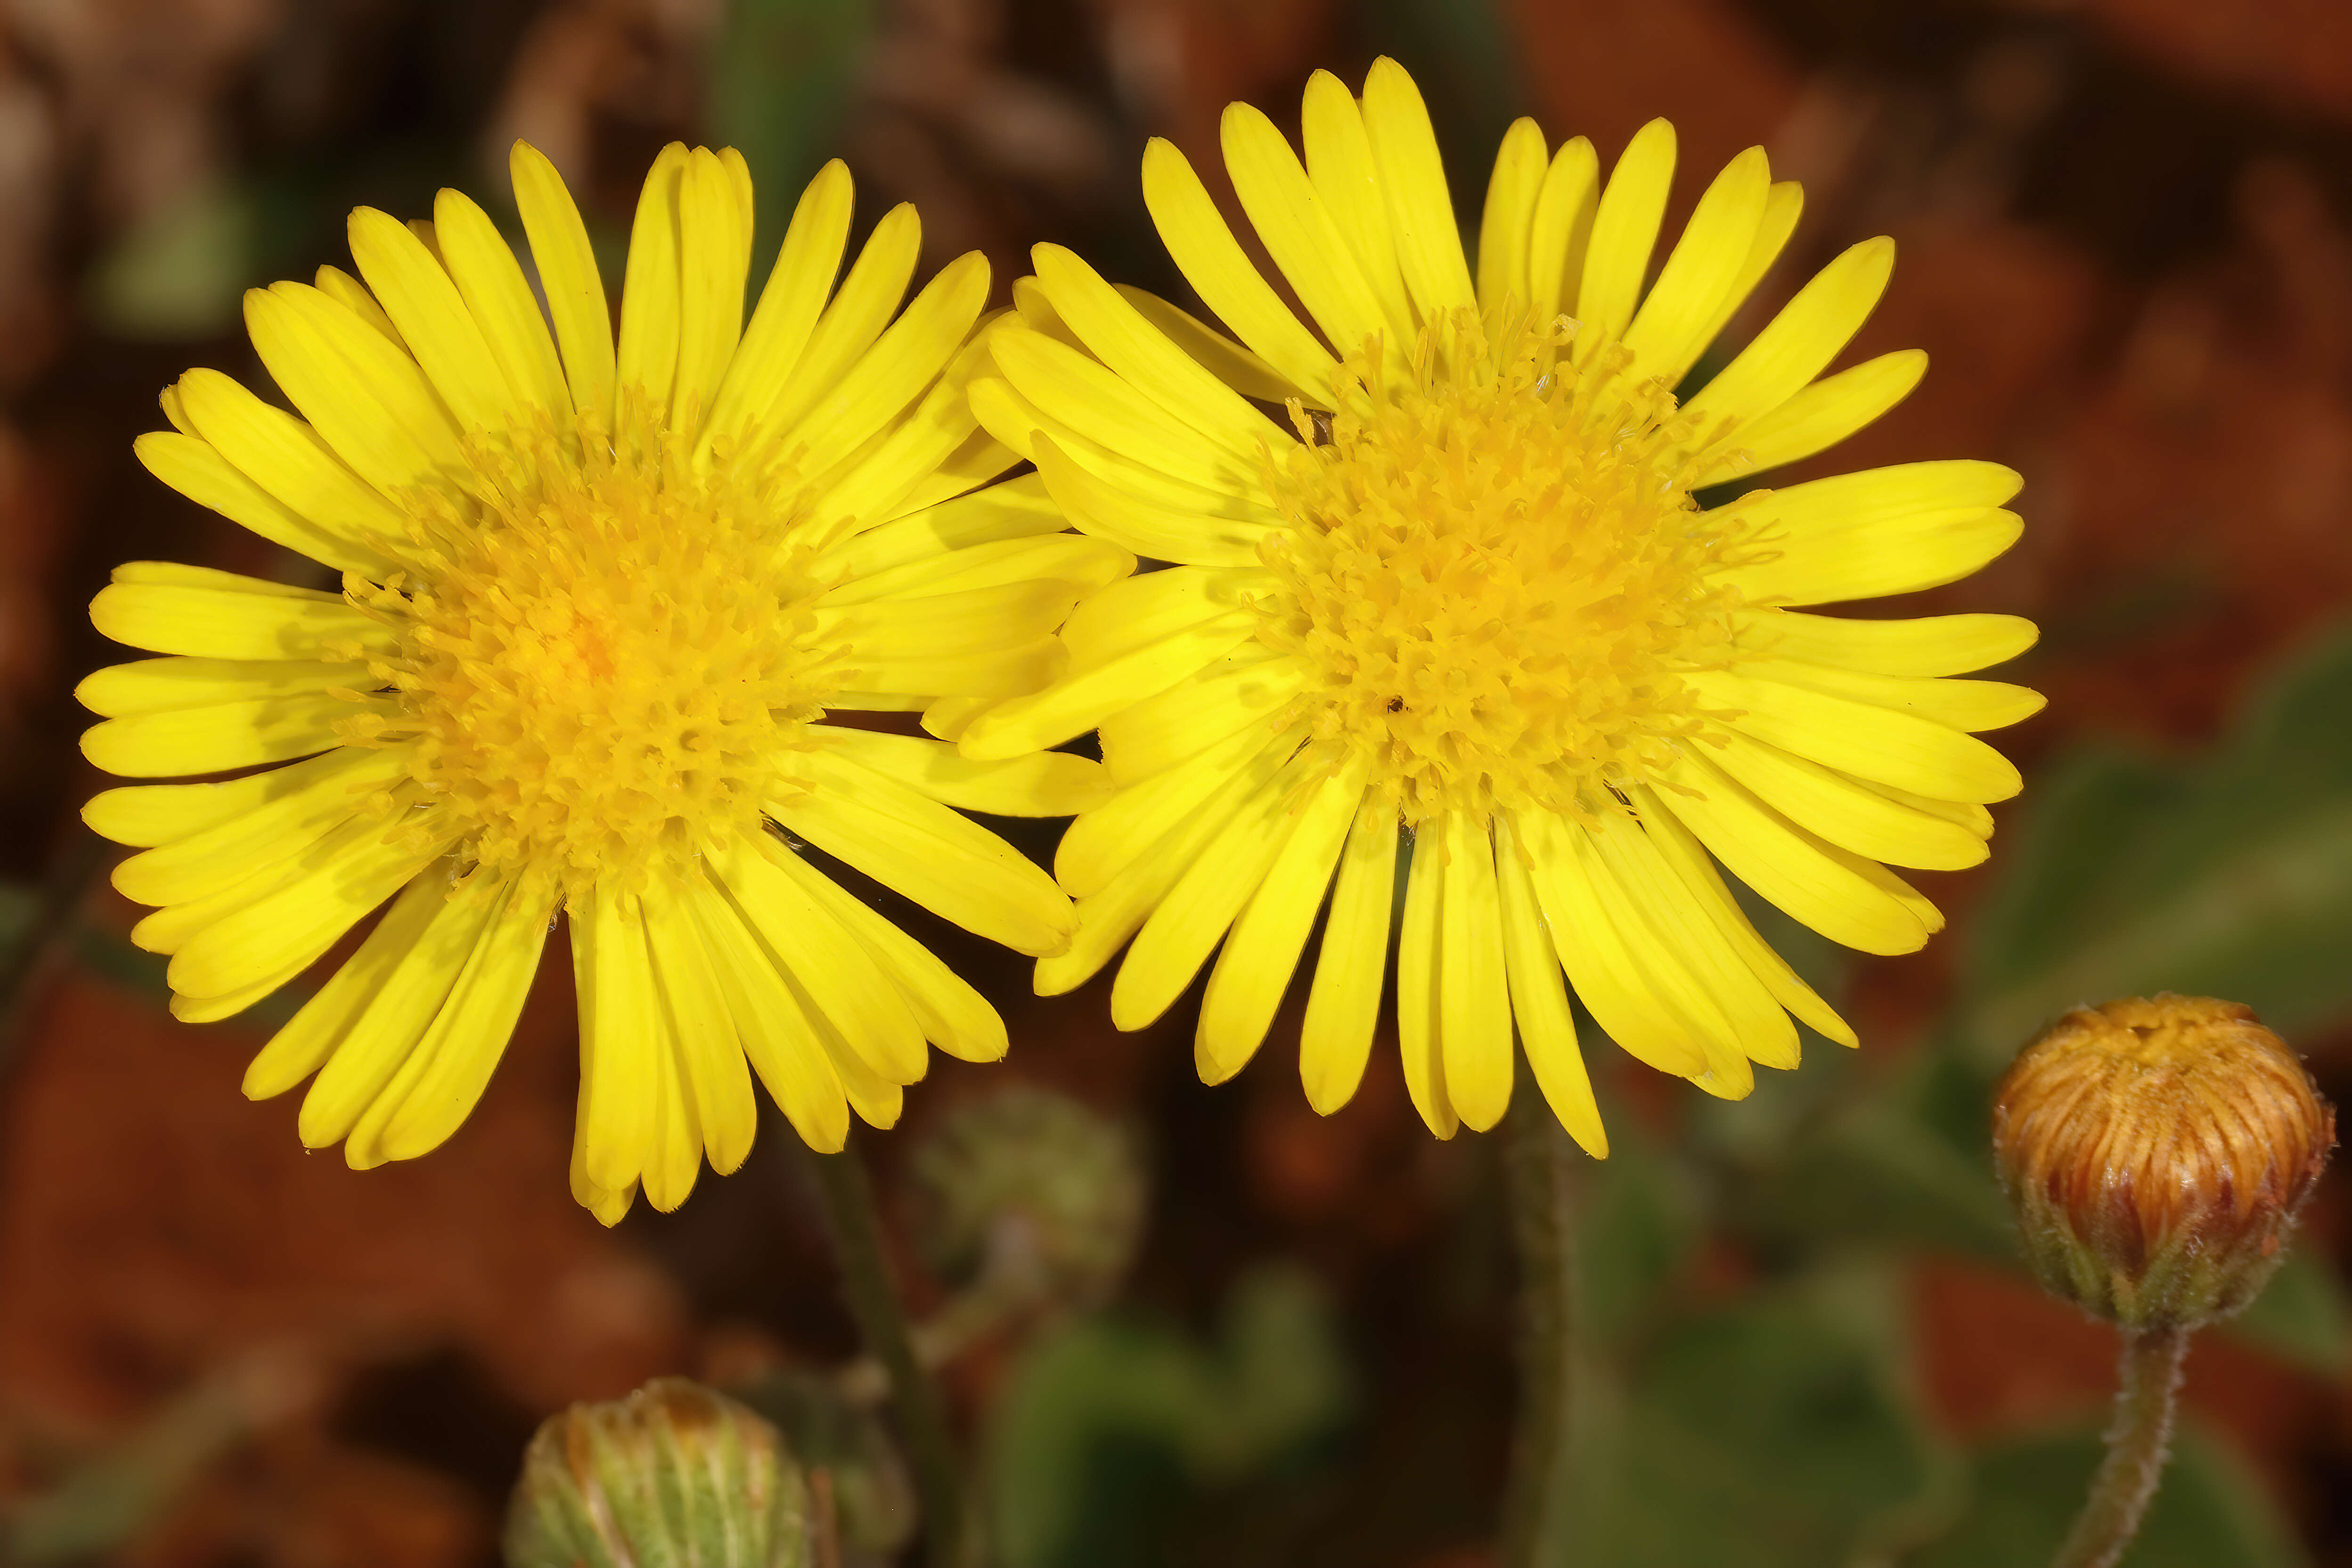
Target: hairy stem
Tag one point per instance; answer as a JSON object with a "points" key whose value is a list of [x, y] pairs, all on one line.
{"points": [[1537, 1502], [2139, 1440], [915, 1398]]}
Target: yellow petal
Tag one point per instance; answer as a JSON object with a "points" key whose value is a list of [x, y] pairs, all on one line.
{"points": [[576, 293], [1420, 1034], [1539, 1000], [1509, 216], [945, 862], [1473, 1007], [1624, 231], [1845, 897], [1211, 260], [1343, 1005], [1044, 784], [1428, 239], [1260, 956]]}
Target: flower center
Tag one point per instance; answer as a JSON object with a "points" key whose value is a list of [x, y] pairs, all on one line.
{"points": [[1495, 575], [606, 654]]}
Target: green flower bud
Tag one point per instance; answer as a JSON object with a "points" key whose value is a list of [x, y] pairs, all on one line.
{"points": [[873, 1498], [2157, 1153], [674, 1476], [1030, 1192]]}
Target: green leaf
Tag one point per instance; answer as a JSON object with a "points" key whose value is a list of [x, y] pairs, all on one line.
{"points": [[2302, 1315], [2209, 1510], [1770, 1435], [778, 81], [1109, 1428], [178, 273], [1638, 1223], [2228, 876]]}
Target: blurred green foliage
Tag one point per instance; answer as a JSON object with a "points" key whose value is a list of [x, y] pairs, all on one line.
{"points": [[1110, 1426], [2023, 1494], [780, 80]]}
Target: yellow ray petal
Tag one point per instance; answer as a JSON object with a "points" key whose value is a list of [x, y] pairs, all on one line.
{"points": [[1346, 180], [416, 292], [777, 1037], [1690, 862], [1559, 238], [1227, 361], [567, 272], [1203, 902], [1818, 417], [650, 298], [160, 685], [1420, 213], [943, 861], [1933, 645], [1539, 1000], [368, 1033], [795, 291], [471, 1033], [1313, 257], [621, 1036], [1260, 956], [1858, 738], [1419, 1032], [1509, 217], [486, 274], [1246, 687], [1592, 946], [202, 862], [714, 258], [1104, 841], [710, 1051], [1474, 1006], [1846, 812], [1845, 897], [318, 1030], [864, 305], [223, 736], [1044, 784], [1624, 231], [1211, 260], [1703, 268], [1799, 342]]}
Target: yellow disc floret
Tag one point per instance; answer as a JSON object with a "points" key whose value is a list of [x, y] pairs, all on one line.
{"points": [[1495, 573], [606, 651]]}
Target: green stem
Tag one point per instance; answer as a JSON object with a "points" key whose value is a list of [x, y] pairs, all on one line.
{"points": [[1537, 1502], [922, 1413], [2139, 1440]]}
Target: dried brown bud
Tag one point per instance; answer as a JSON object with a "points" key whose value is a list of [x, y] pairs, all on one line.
{"points": [[2156, 1151]]}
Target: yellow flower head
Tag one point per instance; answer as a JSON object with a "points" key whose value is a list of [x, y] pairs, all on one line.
{"points": [[1444, 589], [601, 608]]}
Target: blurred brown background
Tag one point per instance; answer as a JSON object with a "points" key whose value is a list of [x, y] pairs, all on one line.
{"points": [[2126, 233]]}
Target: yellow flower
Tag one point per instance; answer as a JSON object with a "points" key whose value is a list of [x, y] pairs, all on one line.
{"points": [[600, 609], [1442, 565]]}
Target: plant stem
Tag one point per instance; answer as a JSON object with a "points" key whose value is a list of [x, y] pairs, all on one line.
{"points": [[848, 1194], [1538, 1501], [2139, 1440]]}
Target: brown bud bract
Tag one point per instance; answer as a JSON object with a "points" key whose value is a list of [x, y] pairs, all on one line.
{"points": [[2156, 1151]]}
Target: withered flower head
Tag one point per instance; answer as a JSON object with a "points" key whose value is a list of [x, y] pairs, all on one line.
{"points": [[2158, 1152], [673, 1475]]}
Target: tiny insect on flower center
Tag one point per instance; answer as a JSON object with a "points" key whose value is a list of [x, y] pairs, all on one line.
{"points": [[606, 651], [1495, 574]]}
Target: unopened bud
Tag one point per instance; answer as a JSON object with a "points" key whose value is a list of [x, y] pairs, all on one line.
{"points": [[674, 1476], [2158, 1152], [1029, 1188]]}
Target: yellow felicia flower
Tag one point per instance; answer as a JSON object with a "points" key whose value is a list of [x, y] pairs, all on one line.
{"points": [[1441, 565], [601, 607]]}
